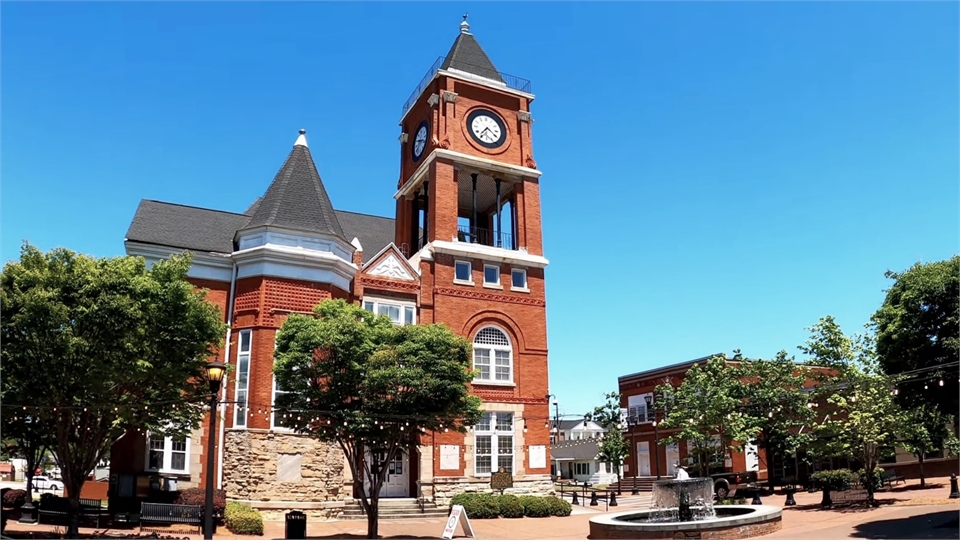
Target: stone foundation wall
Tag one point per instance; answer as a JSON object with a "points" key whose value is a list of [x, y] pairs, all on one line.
{"points": [[444, 489], [273, 467]]}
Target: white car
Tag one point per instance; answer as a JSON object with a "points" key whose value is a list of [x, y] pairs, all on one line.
{"points": [[43, 482]]}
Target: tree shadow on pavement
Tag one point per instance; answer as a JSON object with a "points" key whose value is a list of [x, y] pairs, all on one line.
{"points": [[359, 536], [935, 525], [848, 508]]}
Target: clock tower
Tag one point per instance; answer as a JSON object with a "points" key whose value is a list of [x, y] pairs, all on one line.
{"points": [[468, 219]]}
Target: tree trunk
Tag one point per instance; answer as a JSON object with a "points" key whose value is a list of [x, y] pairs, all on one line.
{"points": [[373, 516], [923, 482], [29, 476], [871, 472], [73, 484]]}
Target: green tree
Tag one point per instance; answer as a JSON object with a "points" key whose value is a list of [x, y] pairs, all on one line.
{"points": [[926, 430], [865, 416], [372, 387], [706, 404], [28, 435], [103, 346], [613, 448], [775, 402], [918, 326]]}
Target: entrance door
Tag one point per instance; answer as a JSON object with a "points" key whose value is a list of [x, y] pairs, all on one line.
{"points": [[673, 457], [397, 482], [643, 458]]}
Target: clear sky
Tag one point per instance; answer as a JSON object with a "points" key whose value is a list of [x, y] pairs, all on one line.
{"points": [[715, 175]]}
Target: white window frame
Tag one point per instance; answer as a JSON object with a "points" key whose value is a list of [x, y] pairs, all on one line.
{"points": [[637, 406], [404, 305], [579, 465], [513, 287], [493, 284], [240, 413], [273, 395], [495, 433], [168, 452], [469, 272], [492, 358]]}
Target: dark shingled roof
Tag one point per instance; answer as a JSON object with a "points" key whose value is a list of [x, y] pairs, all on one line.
{"points": [[581, 449], [186, 227], [374, 232], [467, 55], [297, 199], [202, 229]]}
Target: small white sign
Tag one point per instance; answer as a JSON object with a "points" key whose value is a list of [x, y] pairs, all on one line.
{"points": [[538, 456], [449, 457], [458, 515]]}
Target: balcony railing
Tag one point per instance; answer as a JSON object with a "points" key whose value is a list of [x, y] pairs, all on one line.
{"points": [[510, 81], [486, 237]]}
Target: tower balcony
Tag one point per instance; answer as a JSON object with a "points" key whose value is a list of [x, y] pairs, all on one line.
{"points": [[479, 74], [485, 237]]}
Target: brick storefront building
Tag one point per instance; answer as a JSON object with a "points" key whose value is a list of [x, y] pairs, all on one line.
{"points": [[464, 249]]}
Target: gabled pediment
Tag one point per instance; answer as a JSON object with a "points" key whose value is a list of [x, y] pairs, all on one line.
{"points": [[390, 263]]}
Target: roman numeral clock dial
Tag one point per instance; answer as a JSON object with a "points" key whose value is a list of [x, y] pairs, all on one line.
{"points": [[486, 128], [420, 140]]}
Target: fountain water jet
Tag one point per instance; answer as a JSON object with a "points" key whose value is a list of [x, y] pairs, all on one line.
{"points": [[683, 500]]}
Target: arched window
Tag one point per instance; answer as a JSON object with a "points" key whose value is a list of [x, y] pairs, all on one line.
{"points": [[492, 356]]}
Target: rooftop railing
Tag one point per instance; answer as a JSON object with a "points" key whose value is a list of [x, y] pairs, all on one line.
{"points": [[509, 81]]}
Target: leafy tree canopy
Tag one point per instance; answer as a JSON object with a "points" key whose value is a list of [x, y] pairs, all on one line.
{"points": [[918, 326], [926, 430], [96, 347], [613, 448], [372, 387]]}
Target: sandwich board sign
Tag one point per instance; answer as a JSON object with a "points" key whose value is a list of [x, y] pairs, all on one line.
{"points": [[458, 515]]}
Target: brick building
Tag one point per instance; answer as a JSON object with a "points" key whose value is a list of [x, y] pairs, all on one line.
{"points": [[463, 249]]}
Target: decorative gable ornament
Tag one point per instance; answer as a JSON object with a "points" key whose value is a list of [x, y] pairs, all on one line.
{"points": [[391, 267]]}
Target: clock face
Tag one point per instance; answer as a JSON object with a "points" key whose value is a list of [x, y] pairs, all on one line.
{"points": [[486, 128], [420, 140]]}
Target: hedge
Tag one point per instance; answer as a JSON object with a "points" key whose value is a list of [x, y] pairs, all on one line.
{"points": [[197, 496], [242, 519], [14, 498], [558, 507], [835, 480], [510, 506], [534, 506], [477, 505]]}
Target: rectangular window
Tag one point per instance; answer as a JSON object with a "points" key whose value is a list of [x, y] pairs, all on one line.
{"points": [[494, 443], [243, 375], [581, 469], [166, 454], [463, 271], [481, 363], [638, 411], [519, 278], [491, 274], [400, 313]]}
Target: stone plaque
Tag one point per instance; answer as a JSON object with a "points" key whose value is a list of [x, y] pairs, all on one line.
{"points": [[288, 467], [501, 480], [538, 456], [449, 457]]}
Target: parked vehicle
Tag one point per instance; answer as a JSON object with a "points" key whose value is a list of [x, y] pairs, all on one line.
{"points": [[45, 482], [725, 483]]}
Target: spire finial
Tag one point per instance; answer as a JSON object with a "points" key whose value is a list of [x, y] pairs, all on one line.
{"points": [[302, 139], [465, 26]]}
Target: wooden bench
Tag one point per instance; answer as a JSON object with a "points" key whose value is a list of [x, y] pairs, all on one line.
{"points": [[170, 514], [856, 495], [59, 508], [891, 477]]}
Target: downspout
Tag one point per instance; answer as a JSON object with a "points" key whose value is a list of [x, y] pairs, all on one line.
{"points": [[223, 398]]}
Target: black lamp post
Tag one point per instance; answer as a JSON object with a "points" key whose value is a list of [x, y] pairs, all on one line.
{"points": [[215, 372], [656, 434]]}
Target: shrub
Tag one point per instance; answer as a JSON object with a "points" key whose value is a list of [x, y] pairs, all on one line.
{"points": [[741, 500], [242, 519], [877, 477], [15, 498], [510, 506], [534, 506], [197, 496], [477, 505], [836, 480], [558, 507]]}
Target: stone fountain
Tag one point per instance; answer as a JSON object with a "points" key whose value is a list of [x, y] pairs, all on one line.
{"points": [[684, 509]]}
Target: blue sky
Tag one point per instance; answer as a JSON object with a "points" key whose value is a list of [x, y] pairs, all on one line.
{"points": [[716, 175]]}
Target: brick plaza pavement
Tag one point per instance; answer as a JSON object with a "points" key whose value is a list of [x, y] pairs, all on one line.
{"points": [[904, 513]]}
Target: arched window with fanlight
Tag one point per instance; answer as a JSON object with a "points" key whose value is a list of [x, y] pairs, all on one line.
{"points": [[492, 356]]}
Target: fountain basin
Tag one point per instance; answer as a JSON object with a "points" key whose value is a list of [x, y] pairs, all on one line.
{"points": [[732, 521]]}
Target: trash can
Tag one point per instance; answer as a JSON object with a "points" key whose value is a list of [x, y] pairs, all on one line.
{"points": [[295, 525]]}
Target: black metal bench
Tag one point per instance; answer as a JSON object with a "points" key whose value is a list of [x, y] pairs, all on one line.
{"points": [[170, 514], [58, 508], [891, 477]]}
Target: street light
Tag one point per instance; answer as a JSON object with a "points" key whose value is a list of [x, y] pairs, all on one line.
{"points": [[215, 372], [656, 433]]}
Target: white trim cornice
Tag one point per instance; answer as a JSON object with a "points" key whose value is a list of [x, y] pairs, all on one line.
{"points": [[488, 253], [206, 264], [463, 159], [295, 263]]}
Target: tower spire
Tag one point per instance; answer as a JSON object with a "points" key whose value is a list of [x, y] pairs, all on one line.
{"points": [[465, 26]]}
